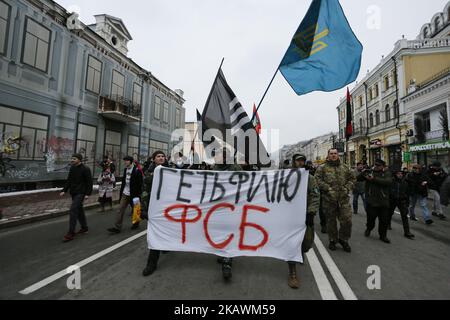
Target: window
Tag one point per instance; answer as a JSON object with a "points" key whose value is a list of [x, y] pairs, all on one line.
{"points": [[113, 140], [371, 120], [377, 117], [386, 83], [425, 33], [426, 122], [388, 113], [158, 146], [36, 47], [118, 85], [361, 124], [166, 112], [178, 118], [23, 134], [376, 91], [5, 11], [86, 144], [396, 110], [133, 147], [157, 107], [137, 94], [360, 101], [370, 94], [94, 75]]}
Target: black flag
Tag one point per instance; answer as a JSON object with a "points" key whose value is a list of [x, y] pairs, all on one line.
{"points": [[224, 112]]}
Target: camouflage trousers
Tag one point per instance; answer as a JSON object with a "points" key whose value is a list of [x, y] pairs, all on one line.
{"points": [[342, 212]]}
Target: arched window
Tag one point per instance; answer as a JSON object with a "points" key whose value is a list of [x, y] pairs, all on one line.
{"points": [[396, 109], [425, 33], [377, 117], [371, 120], [388, 113]]}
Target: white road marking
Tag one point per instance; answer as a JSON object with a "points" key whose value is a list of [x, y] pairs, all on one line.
{"points": [[62, 273], [339, 279], [323, 284]]}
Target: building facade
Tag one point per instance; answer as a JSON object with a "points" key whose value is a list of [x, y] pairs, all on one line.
{"points": [[66, 87], [383, 111]]}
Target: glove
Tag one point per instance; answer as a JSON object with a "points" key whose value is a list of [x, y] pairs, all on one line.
{"points": [[310, 220]]}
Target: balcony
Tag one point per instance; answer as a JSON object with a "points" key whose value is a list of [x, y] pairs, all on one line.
{"points": [[358, 133], [436, 135], [119, 109], [428, 43]]}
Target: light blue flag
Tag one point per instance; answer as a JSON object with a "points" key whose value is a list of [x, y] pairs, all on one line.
{"points": [[324, 54]]}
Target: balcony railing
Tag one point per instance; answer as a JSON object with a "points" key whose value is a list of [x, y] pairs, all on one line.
{"points": [[119, 109], [434, 135], [359, 132]]}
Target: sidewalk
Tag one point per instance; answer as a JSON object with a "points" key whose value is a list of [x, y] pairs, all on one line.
{"points": [[21, 209]]}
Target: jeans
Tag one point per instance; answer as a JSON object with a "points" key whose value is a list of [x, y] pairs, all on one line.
{"points": [[77, 213], [356, 196], [423, 205], [436, 201]]}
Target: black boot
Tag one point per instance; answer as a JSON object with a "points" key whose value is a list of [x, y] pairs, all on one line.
{"points": [[226, 268], [152, 263]]}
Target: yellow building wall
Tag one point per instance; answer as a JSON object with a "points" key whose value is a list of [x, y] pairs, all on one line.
{"points": [[423, 67]]}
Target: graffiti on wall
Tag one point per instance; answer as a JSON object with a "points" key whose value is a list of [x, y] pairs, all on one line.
{"points": [[59, 152]]}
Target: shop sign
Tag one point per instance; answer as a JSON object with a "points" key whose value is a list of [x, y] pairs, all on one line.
{"points": [[430, 147]]}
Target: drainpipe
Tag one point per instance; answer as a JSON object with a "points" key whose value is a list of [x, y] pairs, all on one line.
{"points": [[397, 125], [367, 121]]}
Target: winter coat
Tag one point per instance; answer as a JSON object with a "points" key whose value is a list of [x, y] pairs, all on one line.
{"points": [[79, 180], [378, 189], [106, 183], [436, 178], [399, 190], [136, 181], [415, 181]]}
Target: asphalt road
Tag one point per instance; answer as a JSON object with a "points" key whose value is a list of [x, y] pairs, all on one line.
{"points": [[418, 269]]}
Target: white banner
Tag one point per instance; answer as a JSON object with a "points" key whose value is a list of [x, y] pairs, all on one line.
{"points": [[228, 213]]}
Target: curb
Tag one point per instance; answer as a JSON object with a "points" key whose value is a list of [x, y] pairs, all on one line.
{"points": [[10, 223]]}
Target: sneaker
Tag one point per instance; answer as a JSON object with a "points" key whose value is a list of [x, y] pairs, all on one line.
{"points": [[345, 245], [114, 230], [367, 233], [385, 240], [414, 219], [409, 236], [442, 217], [429, 222], [332, 246], [68, 237], [83, 231], [226, 272], [323, 229], [293, 281], [149, 269]]}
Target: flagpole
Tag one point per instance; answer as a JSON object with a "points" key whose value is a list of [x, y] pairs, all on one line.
{"points": [[265, 93]]}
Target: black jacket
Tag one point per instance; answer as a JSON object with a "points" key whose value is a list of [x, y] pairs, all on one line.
{"points": [[399, 190], [436, 178], [445, 192], [136, 181], [415, 186], [378, 189], [79, 180]]}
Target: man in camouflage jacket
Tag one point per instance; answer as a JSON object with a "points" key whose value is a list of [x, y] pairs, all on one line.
{"points": [[336, 182]]}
